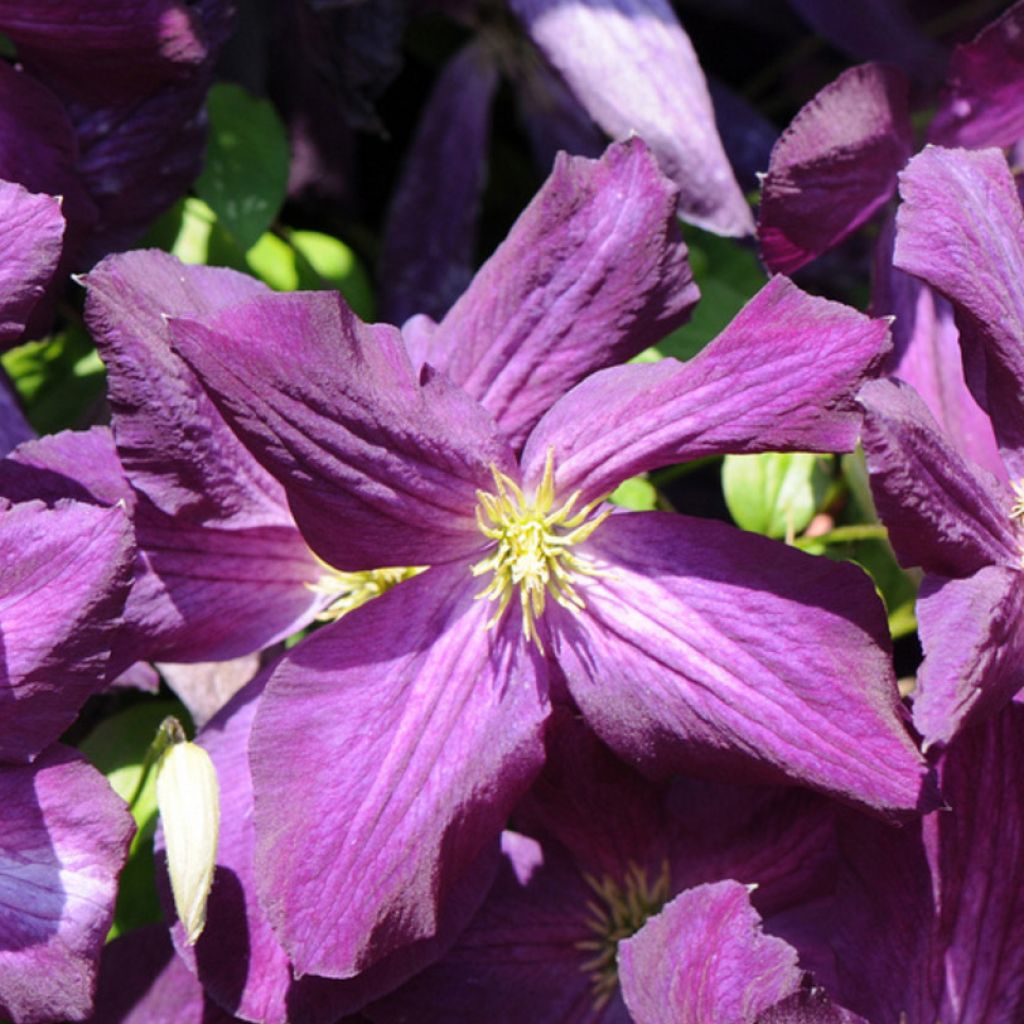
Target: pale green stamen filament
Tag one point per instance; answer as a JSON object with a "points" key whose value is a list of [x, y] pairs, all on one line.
{"points": [[533, 547], [1017, 511], [618, 912], [351, 590]]}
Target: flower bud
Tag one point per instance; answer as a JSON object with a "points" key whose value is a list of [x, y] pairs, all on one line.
{"points": [[188, 797]]}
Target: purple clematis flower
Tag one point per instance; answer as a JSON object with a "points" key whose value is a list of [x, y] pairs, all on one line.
{"points": [[961, 229], [598, 858], [686, 644]]}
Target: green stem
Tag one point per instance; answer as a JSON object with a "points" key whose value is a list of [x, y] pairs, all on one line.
{"points": [[844, 535], [168, 732]]}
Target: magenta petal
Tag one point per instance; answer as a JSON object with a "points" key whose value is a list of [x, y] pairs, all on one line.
{"points": [[593, 272], [65, 837], [702, 647], [633, 68], [29, 251], [781, 377], [704, 958], [427, 251], [961, 229], [387, 753], [972, 631], [983, 103], [66, 573], [332, 407], [942, 513], [834, 165]]}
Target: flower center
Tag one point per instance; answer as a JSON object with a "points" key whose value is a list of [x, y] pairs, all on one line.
{"points": [[351, 590], [619, 911], [532, 550]]}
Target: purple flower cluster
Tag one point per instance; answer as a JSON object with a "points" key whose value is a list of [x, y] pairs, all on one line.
{"points": [[528, 755]]}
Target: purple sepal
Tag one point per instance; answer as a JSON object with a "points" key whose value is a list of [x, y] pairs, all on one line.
{"points": [[686, 658], [65, 840], [593, 272], [14, 428], [961, 229], [781, 377], [383, 803], [942, 513], [427, 251], [983, 101], [811, 1005], [633, 68], [66, 575], [834, 166], [704, 958]]}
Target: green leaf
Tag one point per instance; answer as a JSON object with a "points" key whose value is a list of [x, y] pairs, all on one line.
{"points": [[637, 493], [117, 747], [245, 177], [324, 261], [776, 493]]}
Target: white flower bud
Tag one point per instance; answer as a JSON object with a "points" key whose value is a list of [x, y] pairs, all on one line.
{"points": [[188, 797]]}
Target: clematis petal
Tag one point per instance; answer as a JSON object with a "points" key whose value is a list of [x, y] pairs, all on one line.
{"points": [[704, 958], [594, 271], [633, 68], [66, 574], [705, 648], [387, 753], [31, 246], [971, 631], [65, 839], [961, 229], [942, 514], [811, 1005], [172, 441], [782, 376], [834, 166], [427, 250], [332, 407], [14, 428], [983, 102]]}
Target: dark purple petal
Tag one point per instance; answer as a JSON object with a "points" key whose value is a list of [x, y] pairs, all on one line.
{"points": [[834, 165], [942, 513], [14, 428], [332, 407], [983, 103], [811, 1005], [705, 958], [171, 439], [748, 136], [66, 573], [593, 272], [141, 981], [65, 839], [971, 630], [427, 250], [29, 251], [633, 68], [926, 354], [781, 377], [705, 648], [387, 753], [961, 229]]}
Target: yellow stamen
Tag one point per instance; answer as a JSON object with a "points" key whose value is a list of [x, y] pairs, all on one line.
{"points": [[532, 547], [351, 590]]}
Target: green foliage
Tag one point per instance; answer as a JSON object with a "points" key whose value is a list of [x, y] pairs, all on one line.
{"points": [[636, 493], [245, 177], [775, 494]]}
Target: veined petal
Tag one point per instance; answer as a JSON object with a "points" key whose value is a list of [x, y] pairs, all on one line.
{"points": [[942, 514], [633, 68], [705, 648], [594, 271], [29, 251], [427, 250], [782, 376], [834, 165], [14, 428], [961, 229], [972, 632], [983, 103], [387, 753], [704, 958], [66, 574], [380, 469], [173, 442], [65, 839]]}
